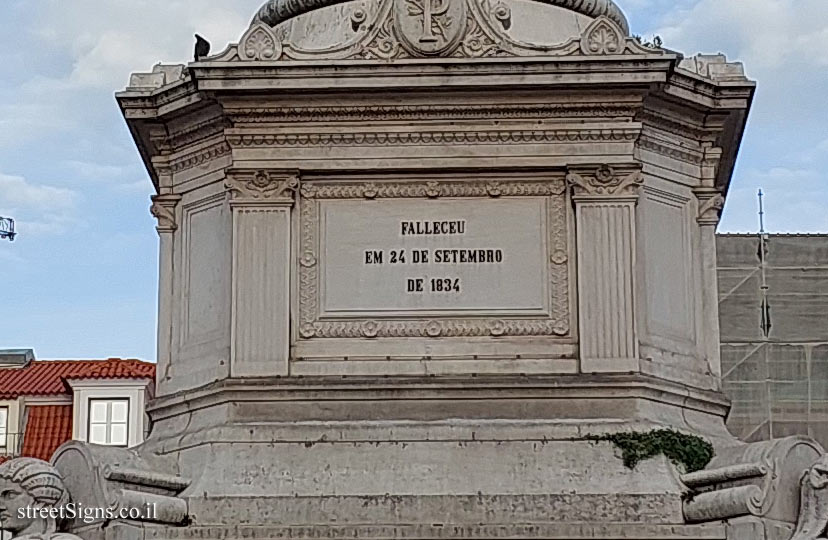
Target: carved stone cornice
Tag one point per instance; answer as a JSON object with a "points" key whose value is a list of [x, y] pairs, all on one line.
{"points": [[163, 172], [163, 209], [711, 203], [668, 150], [160, 140], [193, 133], [432, 138], [262, 187], [660, 122], [604, 181], [432, 189], [337, 113], [200, 157], [710, 164]]}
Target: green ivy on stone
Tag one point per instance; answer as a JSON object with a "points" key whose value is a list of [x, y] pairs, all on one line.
{"points": [[691, 452]]}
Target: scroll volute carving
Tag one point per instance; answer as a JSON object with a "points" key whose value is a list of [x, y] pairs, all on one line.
{"points": [[163, 209], [813, 504], [604, 180], [262, 185]]}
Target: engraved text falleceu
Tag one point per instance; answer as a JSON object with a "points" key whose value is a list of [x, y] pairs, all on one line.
{"points": [[433, 259], [430, 26]]}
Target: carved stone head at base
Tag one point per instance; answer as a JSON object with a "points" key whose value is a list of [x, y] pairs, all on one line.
{"points": [[29, 488]]}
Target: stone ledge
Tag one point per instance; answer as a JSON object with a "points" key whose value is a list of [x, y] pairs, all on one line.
{"points": [[551, 531]]}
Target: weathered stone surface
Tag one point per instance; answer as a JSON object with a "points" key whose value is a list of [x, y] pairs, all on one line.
{"points": [[275, 12], [321, 379], [33, 494]]}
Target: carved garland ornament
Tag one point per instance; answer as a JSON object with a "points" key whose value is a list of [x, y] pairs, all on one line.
{"points": [[311, 326]]}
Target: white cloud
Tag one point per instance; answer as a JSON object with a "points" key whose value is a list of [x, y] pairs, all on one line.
{"points": [[37, 209], [765, 34], [110, 39], [76, 48], [784, 151], [96, 171]]}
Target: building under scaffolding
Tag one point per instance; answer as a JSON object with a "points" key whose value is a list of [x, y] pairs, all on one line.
{"points": [[775, 342]]}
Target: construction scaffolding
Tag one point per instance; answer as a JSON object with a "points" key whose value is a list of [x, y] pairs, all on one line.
{"points": [[773, 303]]}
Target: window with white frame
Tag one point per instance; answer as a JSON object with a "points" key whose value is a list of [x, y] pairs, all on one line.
{"points": [[109, 421], [4, 427]]}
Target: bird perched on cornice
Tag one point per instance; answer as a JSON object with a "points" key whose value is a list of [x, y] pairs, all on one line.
{"points": [[202, 48]]}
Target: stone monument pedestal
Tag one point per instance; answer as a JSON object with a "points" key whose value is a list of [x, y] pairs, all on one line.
{"points": [[420, 260]]}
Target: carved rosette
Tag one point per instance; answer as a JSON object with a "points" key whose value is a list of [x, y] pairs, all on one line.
{"points": [[313, 193], [604, 181], [262, 186], [163, 210]]}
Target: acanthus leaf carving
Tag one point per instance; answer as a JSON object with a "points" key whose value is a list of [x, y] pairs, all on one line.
{"points": [[603, 37], [447, 28], [711, 204], [260, 43], [262, 184], [383, 45], [604, 181], [163, 210]]}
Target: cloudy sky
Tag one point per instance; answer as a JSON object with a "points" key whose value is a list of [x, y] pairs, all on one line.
{"points": [[80, 280]]}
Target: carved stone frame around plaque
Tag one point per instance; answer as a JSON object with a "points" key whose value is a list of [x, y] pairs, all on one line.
{"points": [[551, 188]]}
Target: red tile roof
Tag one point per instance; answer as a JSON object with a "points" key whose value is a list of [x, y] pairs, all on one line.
{"points": [[48, 377], [47, 427]]}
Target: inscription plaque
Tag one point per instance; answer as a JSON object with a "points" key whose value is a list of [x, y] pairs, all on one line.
{"points": [[434, 258]]}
